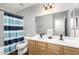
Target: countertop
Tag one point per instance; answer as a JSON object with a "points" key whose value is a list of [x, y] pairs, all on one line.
{"points": [[67, 41]]}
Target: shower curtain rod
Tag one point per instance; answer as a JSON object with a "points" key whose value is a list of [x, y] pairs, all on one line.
{"points": [[8, 11]]}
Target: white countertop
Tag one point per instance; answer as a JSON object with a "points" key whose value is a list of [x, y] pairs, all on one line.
{"points": [[68, 41]]}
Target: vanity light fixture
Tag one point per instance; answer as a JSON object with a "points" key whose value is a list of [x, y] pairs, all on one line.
{"points": [[48, 6]]}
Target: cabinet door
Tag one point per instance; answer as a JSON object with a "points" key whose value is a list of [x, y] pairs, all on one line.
{"points": [[71, 51], [40, 48], [31, 47], [53, 49]]}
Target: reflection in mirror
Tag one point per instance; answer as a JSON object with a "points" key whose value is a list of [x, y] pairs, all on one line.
{"points": [[60, 26], [56, 21], [60, 20], [76, 17], [75, 22], [43, 23]]}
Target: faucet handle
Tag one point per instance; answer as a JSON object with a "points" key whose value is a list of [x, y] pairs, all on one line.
{"points": [[61, 37]]}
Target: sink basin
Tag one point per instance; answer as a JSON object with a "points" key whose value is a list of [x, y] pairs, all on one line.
{"points": [[68, 41], [20, 46]]}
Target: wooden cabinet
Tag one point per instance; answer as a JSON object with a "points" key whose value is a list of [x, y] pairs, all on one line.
{"points": [[41, 48], [53, 49], [31, 47], [71, 51], [36, 47]]}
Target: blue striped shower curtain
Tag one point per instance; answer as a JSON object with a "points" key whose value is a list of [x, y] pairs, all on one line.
{"points": [[13, 31]]}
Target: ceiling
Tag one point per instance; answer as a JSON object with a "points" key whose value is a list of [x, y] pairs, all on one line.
{"points": [[15, 7]]}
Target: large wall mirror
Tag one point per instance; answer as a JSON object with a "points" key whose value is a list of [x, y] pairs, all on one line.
{"points": [[56, 21]]}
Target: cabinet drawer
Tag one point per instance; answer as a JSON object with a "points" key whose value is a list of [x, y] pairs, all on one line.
{"points": [[31, 42], [40, 44], [71, 51], [54, 47], [53, 52]]}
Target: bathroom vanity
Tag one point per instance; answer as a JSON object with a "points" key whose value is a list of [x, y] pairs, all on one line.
{"points": [[41, 46], [65, 23]]}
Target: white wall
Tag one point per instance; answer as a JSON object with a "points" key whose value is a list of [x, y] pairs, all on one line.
{"points": [[1, 28], [36, 10]]}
